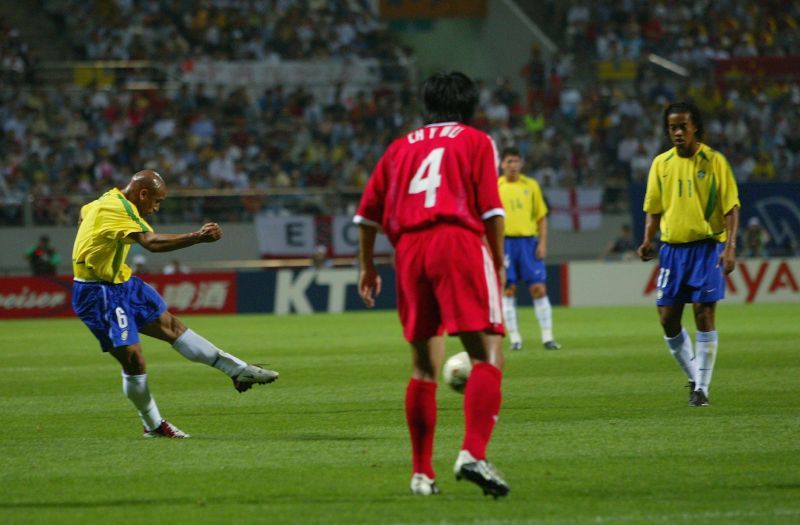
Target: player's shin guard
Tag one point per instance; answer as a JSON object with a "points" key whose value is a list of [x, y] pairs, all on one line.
{"points": [[544, 314], [481, 407], [136, 389], [510, 314], [681, 348], [196, 348], [706, 356], [421, 419]]}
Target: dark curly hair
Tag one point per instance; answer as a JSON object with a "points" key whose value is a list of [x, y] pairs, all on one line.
{"points": [[449, 97], [685, 107]]}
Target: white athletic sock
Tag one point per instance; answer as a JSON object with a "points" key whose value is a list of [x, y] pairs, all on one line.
{"points": [[544, 313], [135, 387], [681, 348], [510, 314], [706, 355], [196, 348]]}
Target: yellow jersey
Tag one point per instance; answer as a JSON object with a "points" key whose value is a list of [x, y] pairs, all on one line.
{"points": [[524, 205], [691, 194], [102, 243]]}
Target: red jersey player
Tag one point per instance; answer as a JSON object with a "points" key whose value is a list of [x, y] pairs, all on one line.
{"points": [[434, 193]]}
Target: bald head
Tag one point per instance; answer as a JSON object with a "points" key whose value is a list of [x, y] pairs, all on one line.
{"points": [[147, 179], [146, 190]]}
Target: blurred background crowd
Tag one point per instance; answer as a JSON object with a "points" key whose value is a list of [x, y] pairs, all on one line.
{"points": [[574, 126]]}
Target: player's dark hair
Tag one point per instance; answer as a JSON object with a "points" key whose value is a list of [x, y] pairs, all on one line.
{"points": [[449, 97], [694, 114], [509, 151]]}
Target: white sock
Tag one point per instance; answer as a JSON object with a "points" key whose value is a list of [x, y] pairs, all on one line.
{"points": [[544, 313], [510, 314], [706, 355], [681, 348], [135, 387], [196, 348]]}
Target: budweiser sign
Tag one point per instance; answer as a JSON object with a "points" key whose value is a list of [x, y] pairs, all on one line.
{"points": [[22, 297]]}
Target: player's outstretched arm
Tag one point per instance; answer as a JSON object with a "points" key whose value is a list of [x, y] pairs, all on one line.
{"points": [[645, 250], [167, 242], [369, 282]]}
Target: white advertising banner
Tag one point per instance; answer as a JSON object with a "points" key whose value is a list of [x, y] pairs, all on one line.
{"points": [[634, 283], [293, 236], [249, 73], [345, 238]]}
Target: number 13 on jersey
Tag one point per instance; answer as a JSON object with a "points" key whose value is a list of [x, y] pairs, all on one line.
{"points": [[428, 177]]}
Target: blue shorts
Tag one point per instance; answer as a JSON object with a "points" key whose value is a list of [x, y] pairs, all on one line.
{"points": [[115, 312], [521, 262], [689, 273]]}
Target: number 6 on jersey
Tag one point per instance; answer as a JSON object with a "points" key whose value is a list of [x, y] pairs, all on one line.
{"points": [[428, 178]]}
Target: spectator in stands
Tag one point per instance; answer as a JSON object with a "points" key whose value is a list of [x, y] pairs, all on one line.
{"points": [[623, 248], [42, 257], [755, 238], [175, 266]]}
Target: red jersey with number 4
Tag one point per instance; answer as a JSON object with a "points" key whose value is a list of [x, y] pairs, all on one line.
{"points": [[440, 173]]}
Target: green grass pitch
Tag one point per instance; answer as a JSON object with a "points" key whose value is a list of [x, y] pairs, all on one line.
{"points": [[598, 432]]}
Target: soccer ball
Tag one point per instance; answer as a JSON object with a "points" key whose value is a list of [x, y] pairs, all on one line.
{"points": [[456, 371]]}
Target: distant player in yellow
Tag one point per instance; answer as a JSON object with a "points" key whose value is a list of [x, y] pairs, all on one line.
{"points": [[525, 247], [693, 199], [117, 306]]}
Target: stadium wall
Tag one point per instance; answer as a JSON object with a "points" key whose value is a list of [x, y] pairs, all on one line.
{"points": [[241, 242], [309, 290]]}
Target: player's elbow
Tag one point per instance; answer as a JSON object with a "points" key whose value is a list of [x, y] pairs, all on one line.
{"points": [[148, 242]]}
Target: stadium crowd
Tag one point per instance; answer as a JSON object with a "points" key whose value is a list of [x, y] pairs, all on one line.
{"points": [[265, 30], [687, 32], [15, 55], [573, 131]]}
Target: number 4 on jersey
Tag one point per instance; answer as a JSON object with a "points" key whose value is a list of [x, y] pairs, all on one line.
{"points": [[428, 177]]}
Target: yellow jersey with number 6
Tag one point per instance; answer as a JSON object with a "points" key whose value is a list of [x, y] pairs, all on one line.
{"points": [[692, 195]]}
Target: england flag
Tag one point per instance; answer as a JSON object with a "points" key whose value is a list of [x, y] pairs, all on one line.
{"points": [[575, 209]]}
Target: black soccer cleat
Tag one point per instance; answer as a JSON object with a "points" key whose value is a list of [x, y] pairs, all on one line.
{"points": [[699, 399], [551, 345], [482, 473], [691, 386]]}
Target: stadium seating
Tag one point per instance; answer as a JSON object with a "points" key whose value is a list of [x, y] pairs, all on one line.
{"points": [[573, 127]]}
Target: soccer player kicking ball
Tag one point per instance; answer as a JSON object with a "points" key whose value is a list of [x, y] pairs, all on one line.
{"points": [[434, 194], [117, 306], [525, 246], [692, 197]]}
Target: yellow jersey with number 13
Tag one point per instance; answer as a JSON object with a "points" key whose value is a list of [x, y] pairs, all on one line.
{"points": [[102, 243], [692, 195]]}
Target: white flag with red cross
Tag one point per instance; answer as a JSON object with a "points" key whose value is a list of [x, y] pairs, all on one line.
{"points": [[575, 209]]}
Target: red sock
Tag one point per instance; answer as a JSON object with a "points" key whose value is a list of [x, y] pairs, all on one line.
{"points": [[481, 407], [421, 418]]}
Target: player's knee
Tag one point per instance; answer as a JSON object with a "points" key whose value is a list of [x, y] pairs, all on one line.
{"points": [[538, 291], [172, 327]]}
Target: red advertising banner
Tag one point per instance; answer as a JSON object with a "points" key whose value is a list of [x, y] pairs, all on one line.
{"points": [[31, 297], [201, 293]]}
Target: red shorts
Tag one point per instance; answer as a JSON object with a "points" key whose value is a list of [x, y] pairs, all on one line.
{"points": [[446, 281]]}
